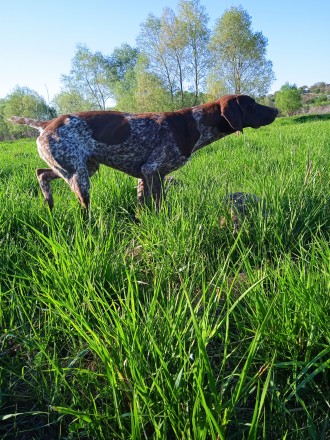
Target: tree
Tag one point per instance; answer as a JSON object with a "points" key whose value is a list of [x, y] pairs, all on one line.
{"points": [[176, 43], [192, 22], [176, 47], [267, 100], [90, 77], [320, 87], [153, 44], [122, 60], [92, 81], [71, 101], [288, 99], [4, 123], [241, 65], [23, 101], [141, 90], [150, 94]]}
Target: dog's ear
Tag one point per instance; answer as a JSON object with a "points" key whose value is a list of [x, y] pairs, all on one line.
{"points": [[232, 112]]}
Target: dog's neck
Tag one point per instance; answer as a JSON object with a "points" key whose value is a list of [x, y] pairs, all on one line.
{"points": [[212, 126]]}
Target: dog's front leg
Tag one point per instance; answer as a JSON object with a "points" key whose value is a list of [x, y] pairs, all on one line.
{"points": [[150, 185], [143, 194]]}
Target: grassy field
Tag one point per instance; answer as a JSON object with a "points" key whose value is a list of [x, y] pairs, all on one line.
{"points": [[176, 327]]}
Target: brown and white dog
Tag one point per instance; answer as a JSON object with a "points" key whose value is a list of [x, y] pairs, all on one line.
{"points": [[147, 146]]}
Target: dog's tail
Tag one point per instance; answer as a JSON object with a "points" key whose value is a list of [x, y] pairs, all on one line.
{"points": [[40, 125]]}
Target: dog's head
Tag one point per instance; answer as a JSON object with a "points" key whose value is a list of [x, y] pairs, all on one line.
{"points": [[242, 111]]}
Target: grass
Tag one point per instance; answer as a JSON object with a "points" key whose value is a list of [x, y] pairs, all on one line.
{"points": [[174, 328]]}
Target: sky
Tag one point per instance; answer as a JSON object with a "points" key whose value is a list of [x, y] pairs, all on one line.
{"points": [[38, 38]]}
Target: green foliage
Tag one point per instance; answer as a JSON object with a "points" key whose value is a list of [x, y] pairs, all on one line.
{"points": [[94, 79], [141, 91], [22, 101], [161, 58], [4, 125], [176, 327], [288, 99], [192, 22], [240, 54], [267, 100], [90, 78], [123, 60], [71, 101], [176, 48], [319, 100], [177, 64], [320, 87]]}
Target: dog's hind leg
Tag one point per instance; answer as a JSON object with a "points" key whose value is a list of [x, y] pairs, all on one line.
{"points": [[92, 167], [45, 176], [79, 183]]}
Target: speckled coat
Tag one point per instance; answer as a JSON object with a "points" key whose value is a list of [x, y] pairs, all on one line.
{"points": [[147, 146]]}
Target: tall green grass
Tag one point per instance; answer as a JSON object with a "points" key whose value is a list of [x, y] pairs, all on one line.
{"points": [[176, 327]]}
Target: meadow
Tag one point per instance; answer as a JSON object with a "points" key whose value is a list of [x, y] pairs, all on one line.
{"points": [[176, 326]]}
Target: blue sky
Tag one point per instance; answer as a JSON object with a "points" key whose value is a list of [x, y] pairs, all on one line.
{"points": [[38, 37]]}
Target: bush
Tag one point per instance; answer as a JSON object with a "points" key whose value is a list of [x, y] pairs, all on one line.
{"points": [[288, 99]]}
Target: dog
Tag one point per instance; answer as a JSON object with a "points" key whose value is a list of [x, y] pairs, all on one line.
{"points": [[147, 146]]}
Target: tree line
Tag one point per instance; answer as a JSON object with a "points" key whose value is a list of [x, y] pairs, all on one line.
{"points": [[178, 62]]}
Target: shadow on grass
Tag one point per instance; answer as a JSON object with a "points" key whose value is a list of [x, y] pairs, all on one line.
{"points": [[311, 118]]}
